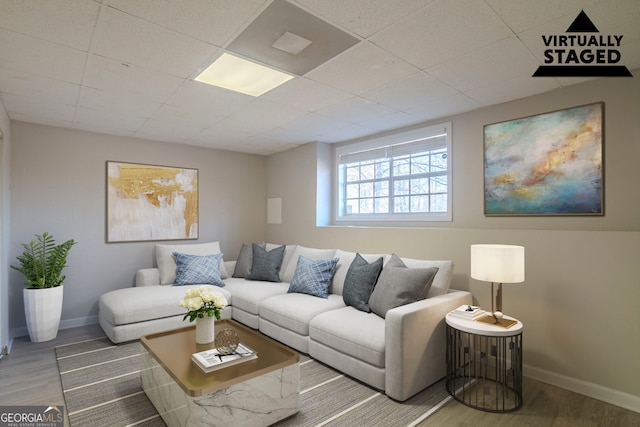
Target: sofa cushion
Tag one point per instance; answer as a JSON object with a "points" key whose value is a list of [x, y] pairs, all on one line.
{"points": [[198, 269], [295, 311], [399, 285], [266, 264], [245, 260], [359, 282], [132, 305], [247, 295], [310, 253], [312, 277], [355, 333], [167, 263]]}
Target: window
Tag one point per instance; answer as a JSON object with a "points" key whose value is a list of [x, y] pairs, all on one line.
{"points": [[401, 177]]}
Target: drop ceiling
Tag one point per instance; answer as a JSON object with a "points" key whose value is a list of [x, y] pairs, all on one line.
{"points": [[126, 67]]}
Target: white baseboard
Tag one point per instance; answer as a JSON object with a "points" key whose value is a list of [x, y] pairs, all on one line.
{"points": [[606, 394], [22, 331], [78, 321]]}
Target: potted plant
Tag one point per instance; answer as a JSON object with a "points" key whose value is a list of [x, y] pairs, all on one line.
{"points": [[42, 263]]}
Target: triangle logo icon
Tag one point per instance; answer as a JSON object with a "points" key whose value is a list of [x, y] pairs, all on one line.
{"points": [[582, 24]]}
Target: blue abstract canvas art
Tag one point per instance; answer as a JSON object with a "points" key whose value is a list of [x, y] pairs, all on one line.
{"points": [[548, 164]]}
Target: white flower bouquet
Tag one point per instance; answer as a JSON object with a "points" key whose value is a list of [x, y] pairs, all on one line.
{"points": [[203, 301]]}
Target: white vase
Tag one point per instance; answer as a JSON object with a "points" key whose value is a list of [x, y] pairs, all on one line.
{"points": [[205, 329], [42, 310]]}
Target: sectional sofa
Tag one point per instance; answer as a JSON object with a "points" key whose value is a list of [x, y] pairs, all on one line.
{"points": [[389, 334]]}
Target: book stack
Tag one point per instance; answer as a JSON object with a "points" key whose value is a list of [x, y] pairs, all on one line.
{"points": [[212, 360], [468, 312]]}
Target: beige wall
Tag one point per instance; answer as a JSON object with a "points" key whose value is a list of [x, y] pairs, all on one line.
{"points": [[579, 300], [58, 179]]}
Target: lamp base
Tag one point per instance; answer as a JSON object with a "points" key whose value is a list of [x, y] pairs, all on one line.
{"points": [[505, 323]]}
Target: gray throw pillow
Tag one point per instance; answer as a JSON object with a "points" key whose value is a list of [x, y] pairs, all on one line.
{"points": [[245, 260], [360, 281], [266, 264], [399, 285]]}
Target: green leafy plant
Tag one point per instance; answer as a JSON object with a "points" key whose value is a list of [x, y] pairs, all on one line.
{"points": [[42, 261]]}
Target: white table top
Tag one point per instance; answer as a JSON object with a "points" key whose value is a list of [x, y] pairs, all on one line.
{"points": [[481, 328]]}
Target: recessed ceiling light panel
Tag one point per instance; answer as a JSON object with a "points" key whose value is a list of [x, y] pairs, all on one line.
{"points": [[240, 75]]}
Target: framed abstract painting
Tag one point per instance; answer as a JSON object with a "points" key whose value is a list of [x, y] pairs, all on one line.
{"points": [[547, 164], [148, 202]]}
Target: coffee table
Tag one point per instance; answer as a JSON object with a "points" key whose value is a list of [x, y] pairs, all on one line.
{"points": [[258, 392]]}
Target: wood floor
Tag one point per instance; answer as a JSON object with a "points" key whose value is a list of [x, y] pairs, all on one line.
{"points": [[29, 376]]}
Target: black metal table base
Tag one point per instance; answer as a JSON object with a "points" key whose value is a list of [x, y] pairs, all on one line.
{"points": [[484, 372]]}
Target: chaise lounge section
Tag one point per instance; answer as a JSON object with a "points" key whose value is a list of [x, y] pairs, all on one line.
{"points": [[399, 349]]}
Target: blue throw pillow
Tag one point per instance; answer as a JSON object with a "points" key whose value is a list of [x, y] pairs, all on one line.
{"points": [[198, 270], [360, 281], [313, 276], [266, 264]]}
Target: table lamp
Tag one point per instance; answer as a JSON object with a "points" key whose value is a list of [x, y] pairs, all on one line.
{"points": [[497, 264]]}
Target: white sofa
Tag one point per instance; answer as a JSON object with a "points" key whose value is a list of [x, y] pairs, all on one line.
{"points": [[400, 354]]}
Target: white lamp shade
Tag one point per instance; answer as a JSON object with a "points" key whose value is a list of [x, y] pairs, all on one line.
{"points": [[497, 263]]}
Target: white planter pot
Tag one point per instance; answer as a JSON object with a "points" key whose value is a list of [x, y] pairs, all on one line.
{"points": [[43, 309]]}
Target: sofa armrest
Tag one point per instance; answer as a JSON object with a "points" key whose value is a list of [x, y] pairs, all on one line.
{"points": [[415, 343], [148, 277]]}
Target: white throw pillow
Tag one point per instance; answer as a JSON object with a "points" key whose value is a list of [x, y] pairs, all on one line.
{"points": [[167, 263]]}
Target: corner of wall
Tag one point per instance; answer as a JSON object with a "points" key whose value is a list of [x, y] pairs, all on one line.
{"points": [[323, 184]]}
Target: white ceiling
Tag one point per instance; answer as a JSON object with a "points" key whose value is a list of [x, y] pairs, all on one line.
{"points": [[126, 67]]}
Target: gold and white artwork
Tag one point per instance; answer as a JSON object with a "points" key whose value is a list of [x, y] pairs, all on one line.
{"points": [[147, 202]]}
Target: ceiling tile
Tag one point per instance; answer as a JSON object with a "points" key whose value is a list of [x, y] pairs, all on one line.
{"points": [[43, 111], [131, 40], [212, 21], [212, 100], [305, 94], [124, 67], [121, 78], [107, 101], [454, 104], [364, 17], [312, 125], [111, 123], [361, 69], [392, 120], [524, 15], [193, 117], [442, 31], [415, 90], [69, 22], [512, 89], [169, 131], [503, 60], [262, 115], [40, 88], [357, 110], [347, 133], [40, 57]]}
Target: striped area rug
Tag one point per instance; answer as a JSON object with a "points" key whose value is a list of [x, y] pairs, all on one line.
{"points": [[102, 387]]}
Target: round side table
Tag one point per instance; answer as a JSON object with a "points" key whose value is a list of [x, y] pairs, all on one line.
{"points": [[484, 364]]}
